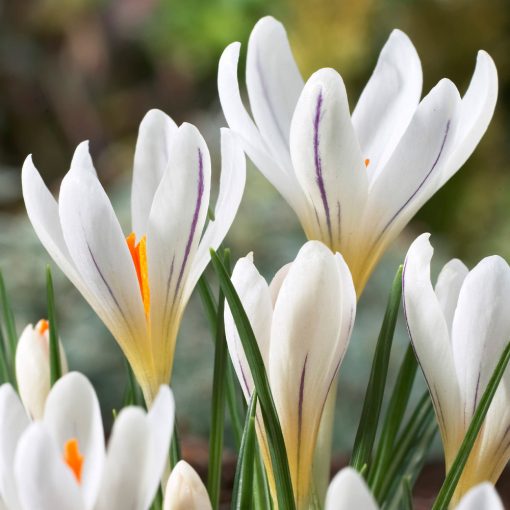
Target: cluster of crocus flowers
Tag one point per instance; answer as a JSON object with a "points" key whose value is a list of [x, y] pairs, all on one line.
{"points": [[459, 330], [302, 339], [354, 181], [139, 284], [348, 491], [60, 462]]}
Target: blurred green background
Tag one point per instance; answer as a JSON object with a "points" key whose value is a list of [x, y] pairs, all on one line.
{"points": [[89, 69]]}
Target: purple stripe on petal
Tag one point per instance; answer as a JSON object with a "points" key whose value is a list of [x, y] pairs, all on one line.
{"points": [[300, 412], [318, 163], [198, 204]]}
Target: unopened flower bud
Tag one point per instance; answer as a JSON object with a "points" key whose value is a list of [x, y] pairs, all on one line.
{"points": [[185, 490]]}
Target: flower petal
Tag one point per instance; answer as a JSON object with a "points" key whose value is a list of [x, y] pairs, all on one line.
{"points": [[101, 255], [72, 412], [430, 337], [274, 85], [185, 490], [254, 294], [232, 181], [481, 329], [476, 112], [348, 491], [13, 422], [151, 159], [481, 497], [176, 222], [307, 347], [388, 101], [44, 480], [327, 158]]}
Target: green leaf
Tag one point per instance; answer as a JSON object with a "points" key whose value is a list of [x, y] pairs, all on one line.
{"points": [[261, 493], [369, 420], [175, 446], [242, 494], [452, 478], [393, 419], [10, 327], [55, 361], [5, 375], [132, 396], [218, 401], [279, 459]]}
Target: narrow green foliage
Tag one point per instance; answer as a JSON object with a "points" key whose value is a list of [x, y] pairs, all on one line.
{"points": [[55, 361], [408, 494], [369, 420], [261, 496], [242, 494], [272, 424], [452, 478], [10, 327], [5, 375], [422, 416], [218, 401], [132, 395], [175, 446]]}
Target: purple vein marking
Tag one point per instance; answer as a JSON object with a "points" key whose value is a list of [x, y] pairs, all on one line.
{"points": [[300, 412], [318, 163], [394, 217], [198, 204]]}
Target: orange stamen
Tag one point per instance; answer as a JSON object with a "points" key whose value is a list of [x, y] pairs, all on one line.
{"points": [[73, 458], [42, 326], [139, 256], [367, 162]]}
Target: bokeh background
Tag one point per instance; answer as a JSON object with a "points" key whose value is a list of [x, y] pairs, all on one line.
{"points": [[89, 69]]}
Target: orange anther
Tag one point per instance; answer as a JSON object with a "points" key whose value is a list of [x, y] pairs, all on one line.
{"points": [[367, 162], [73, 458], [139, 256], [42, 326]]}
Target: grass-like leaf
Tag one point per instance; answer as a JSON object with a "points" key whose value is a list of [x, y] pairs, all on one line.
{"points": [[393, 419], [452, 478], [10, 327], [242, 494], [55, 361], [218, 400], [369, 420], [277, 449]]}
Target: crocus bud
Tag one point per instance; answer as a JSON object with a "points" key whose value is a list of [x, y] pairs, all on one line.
{"points": [[185, 490], [33, 367]]}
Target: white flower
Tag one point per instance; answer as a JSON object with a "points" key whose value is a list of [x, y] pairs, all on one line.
{"points": [[33, 367], [140, 288], [185, 490], [353, 181], [459, 331], [60, 463], [302, 323], [348, 491]]}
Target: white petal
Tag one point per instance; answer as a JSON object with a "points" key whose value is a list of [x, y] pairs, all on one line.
{"points": [[326, 156], [72, 412], [232, 181], [448, 285], [481, 328], [413, 172], [274, 85], [185, 490], [127, 462], [429, 334], [13, 422], [44, 481], [176, 222], [388, 101], [161, 423], [99, 250], [481, 497], [307, 347], [348, 491], [151, 159], [476, 112], [42, 210], [242, 124], [254, 294]]}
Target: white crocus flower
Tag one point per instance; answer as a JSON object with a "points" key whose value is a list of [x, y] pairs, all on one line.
{"points": [[140, 285], [459, 330], [60, 462], [185, 490], [354, 181], [33, 367], [348, 491], [302, 322]]}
